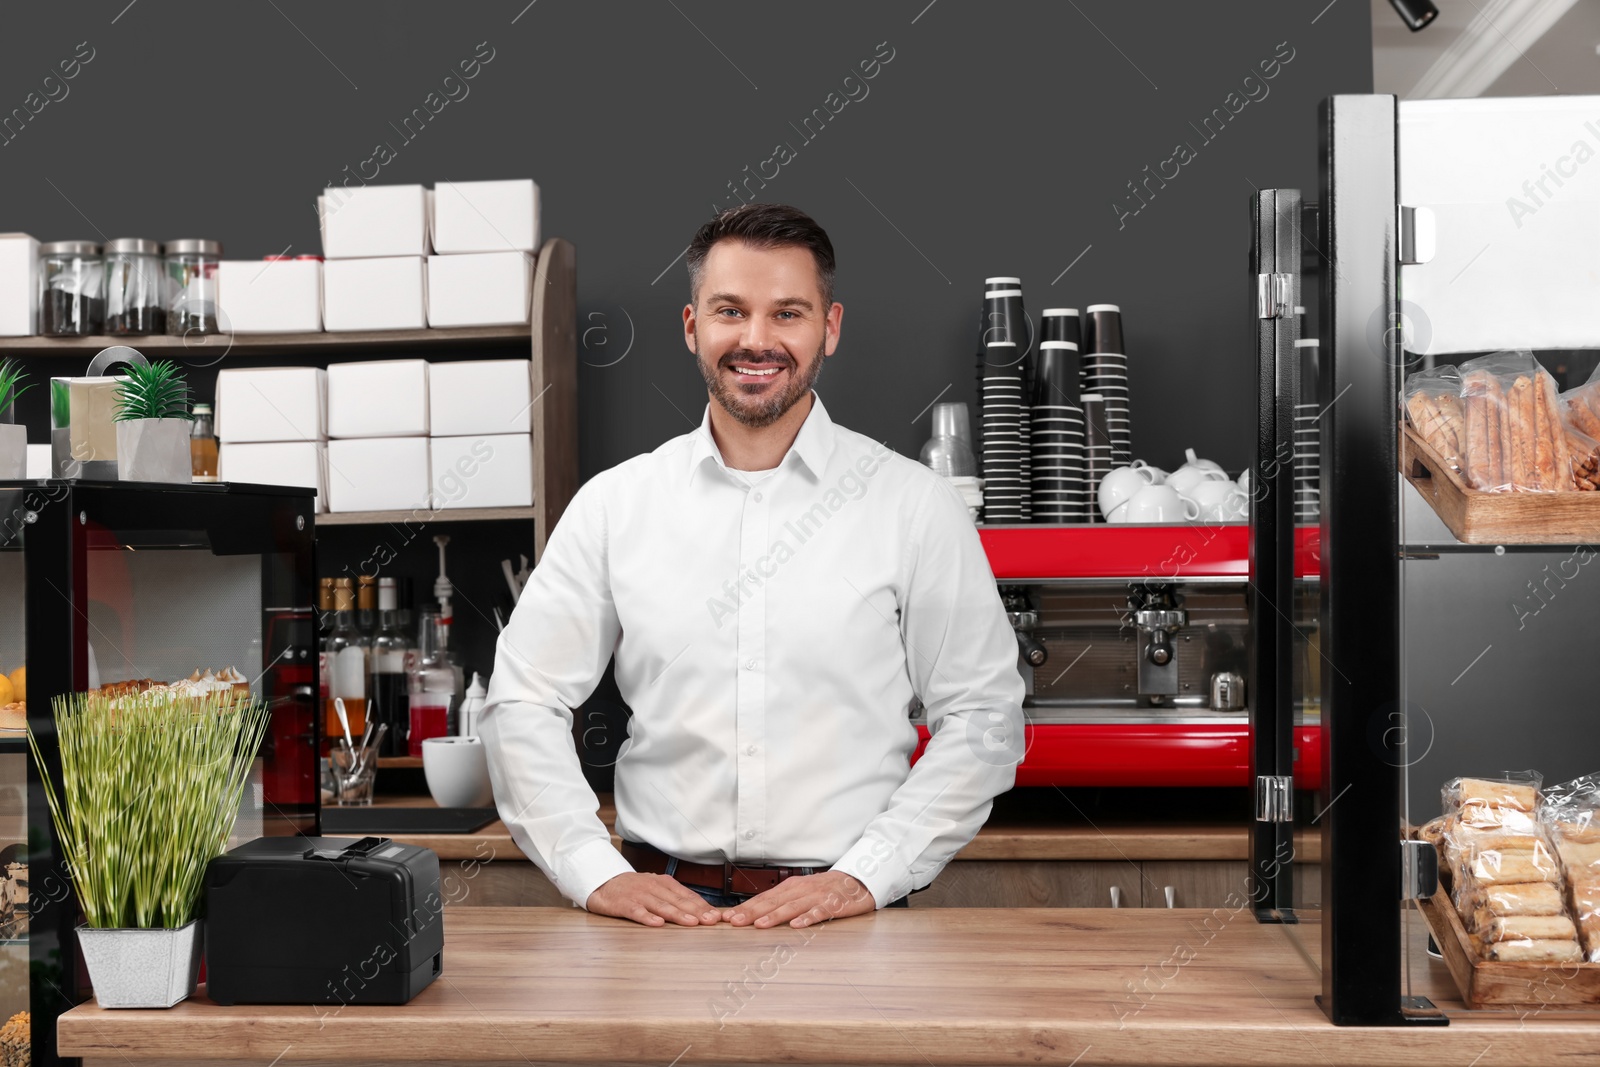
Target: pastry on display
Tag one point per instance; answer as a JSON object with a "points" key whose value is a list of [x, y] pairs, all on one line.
{"points": [[1505, 871], [1499, 423], [198, 684], [14, 901], [14, 716], [16, 1041]]}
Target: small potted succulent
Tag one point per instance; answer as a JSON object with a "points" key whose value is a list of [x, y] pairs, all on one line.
{"points": [[153, 423], [13, 437], [150, 789]]}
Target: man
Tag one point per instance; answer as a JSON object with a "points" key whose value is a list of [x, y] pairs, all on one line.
{"points": [[777, 592]]}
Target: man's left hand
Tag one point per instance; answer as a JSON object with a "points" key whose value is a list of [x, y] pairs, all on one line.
{"points": [[804, 900]]}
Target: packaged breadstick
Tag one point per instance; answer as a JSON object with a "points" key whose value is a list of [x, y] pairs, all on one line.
{"points": [[1433, 404], [1580, 413], [1516, 439]]}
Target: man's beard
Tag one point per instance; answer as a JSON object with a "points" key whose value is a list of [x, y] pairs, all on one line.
{"points": [[768, 410]]}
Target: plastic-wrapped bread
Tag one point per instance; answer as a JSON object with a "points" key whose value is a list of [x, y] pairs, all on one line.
{"points": [[1580, 859], [1528, 928], [1533, 951], [1585, 898], [1486, 794], [1505, 866], [1517, 898]]}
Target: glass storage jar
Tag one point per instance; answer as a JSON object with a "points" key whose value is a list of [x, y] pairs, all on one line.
{"points": [[192, 287], [136, 297], [71, 289]]}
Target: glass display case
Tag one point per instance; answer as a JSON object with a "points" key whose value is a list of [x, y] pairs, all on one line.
{"points": [[1436, 655], [107, 582]]}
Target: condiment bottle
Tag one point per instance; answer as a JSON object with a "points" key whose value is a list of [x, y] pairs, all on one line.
{"points": [[203, 445]]}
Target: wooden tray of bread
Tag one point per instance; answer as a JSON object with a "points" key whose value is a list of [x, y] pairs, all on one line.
{"points": [[1480, 518], [1495, 984]]}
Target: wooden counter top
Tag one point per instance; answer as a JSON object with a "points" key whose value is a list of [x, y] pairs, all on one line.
{"points": [[941, 986], [1002, 838]]}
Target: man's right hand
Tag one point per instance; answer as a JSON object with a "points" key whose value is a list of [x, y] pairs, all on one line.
{"points": [[652, 900]]}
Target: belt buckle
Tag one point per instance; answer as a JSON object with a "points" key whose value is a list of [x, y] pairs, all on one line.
{"points": [[727, 877]]}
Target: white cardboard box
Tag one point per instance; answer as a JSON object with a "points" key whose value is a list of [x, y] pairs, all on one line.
{"points": [[276, 463], [19, 281], [272, 404], [276, 296], [486, 216], [378, 398], [482, 472], [38, 462], [375, 294], [379, 474], [480, 289], [480, 396], [374, 220]]}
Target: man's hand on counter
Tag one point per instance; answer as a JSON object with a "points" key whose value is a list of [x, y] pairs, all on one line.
{"points": [[653, 900], [804, 900]]}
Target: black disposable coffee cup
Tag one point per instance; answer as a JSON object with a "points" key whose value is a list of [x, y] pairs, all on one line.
{"points": [[1103, 328], [1003, 319], [1060, 324], [1056, 376]]}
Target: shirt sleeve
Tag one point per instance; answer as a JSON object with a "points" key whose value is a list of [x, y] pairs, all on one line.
{"points": [[962, 658], [549, 659]]}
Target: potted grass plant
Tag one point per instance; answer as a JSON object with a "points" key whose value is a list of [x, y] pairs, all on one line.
{"points": [[150, 788], [13, 437], [153, 423]]}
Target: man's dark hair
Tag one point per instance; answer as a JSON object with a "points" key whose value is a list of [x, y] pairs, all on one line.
{"points": [[764, 226]]}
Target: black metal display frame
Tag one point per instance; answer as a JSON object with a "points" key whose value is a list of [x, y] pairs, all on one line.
{"points": [[1275, 265], [51, 520], [1360, 582]]}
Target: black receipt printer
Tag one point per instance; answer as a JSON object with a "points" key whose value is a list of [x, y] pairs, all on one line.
{"points": [[322, 920]]}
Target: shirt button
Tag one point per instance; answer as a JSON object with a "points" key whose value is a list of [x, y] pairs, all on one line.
{"points": [[748, 834], [749, 664], [750, 751], [758, 498]]}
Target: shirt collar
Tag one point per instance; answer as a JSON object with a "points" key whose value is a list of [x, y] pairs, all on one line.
{"points": [[813, 445]]}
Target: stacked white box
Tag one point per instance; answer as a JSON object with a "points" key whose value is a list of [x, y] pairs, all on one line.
{"points": [[374, 220], [272, 427], [375, 294], [480, 414], [480, 289], [378, 398], [272, 296], [272, 404], [497, 216], [379, 474], [19, 281]]}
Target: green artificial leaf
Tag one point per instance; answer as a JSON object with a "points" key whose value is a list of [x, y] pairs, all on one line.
{"points": [[11, 373], [150, 788], [154, 391]]}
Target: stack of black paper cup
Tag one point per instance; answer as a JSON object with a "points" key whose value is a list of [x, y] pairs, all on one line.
{"points": [[1060, 324], [1307, 438], [1003, 486], [1057, 437], [1105, 371], [994, 318], [1097, 453]]}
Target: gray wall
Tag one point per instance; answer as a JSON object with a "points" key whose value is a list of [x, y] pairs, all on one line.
{"points": [[996, 140]]}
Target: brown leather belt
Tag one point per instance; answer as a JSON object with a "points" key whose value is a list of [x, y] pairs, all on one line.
{"points": [[724, 877]]}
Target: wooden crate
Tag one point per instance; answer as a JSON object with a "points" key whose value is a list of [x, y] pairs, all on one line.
{"points": [[1478, 518], [1490, 984]]}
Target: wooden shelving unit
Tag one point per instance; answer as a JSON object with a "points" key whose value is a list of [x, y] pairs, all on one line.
{"points": [[551, 335]]}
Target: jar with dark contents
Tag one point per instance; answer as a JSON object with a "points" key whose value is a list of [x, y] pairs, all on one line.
{"points": [[71, 289], [136, 294], [192, 287]]}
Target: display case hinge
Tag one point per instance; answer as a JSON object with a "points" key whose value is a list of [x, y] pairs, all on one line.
{"points": [[1275, 798], [1419, 235], [1274, 296], [1419, 870]]}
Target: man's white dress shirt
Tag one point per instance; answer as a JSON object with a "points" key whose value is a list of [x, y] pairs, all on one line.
{"points": [[770, 635]]}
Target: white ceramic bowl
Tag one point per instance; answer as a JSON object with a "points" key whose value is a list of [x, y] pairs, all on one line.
{"points": [[457, 769]]}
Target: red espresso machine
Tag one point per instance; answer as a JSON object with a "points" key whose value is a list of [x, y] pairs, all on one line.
{"points": [[1134, 645]]}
